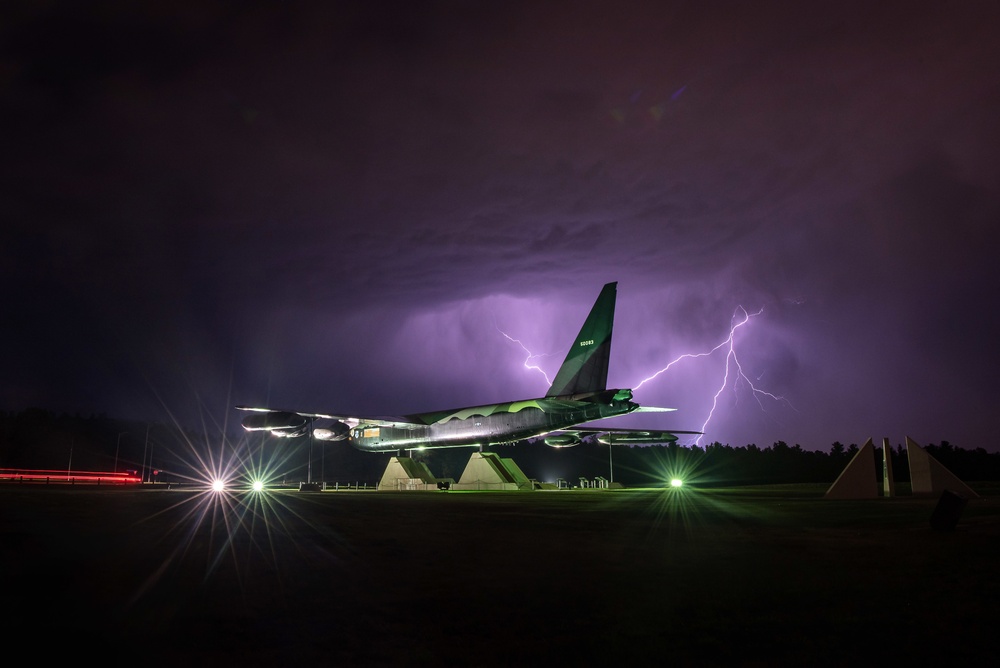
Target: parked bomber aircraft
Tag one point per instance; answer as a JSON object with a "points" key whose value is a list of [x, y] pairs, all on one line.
{"points": [[578, 395]]}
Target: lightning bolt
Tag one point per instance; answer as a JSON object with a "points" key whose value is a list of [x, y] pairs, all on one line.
{"points": [[530, 356], [732, 366]]}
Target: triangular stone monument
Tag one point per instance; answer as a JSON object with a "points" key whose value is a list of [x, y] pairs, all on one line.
{"points": [[888, 482], [405, 474], [858, 479], [488, 471], [929, 476]]}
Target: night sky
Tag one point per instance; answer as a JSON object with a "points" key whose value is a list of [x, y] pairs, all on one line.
{"points": [[382, 208]]}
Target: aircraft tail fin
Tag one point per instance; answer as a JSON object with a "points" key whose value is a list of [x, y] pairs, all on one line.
{"points": [[585, 368]]}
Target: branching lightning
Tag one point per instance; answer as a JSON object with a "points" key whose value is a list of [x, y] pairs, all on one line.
{"points": [[732, 363], [733, 368], [530, 356]]}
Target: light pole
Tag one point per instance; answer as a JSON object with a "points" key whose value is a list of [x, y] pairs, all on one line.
{"points": [[142, 476], [309, 467], [118, 445], [611, 462]]}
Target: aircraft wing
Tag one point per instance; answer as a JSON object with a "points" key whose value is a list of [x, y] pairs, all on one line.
{"points": [[293, 422], [607, 435]]}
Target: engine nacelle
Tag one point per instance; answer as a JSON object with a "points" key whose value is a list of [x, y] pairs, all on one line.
{"points": [[337, 431], [637, 438], [562, 440]]}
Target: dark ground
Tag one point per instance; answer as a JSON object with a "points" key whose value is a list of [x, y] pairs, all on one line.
{"points": [[744, 576]]}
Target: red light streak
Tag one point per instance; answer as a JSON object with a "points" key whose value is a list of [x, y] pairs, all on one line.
{"points": [[68, 477]]}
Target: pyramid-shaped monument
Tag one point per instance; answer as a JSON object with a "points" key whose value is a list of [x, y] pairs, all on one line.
{"points": [[858, 479], [929, 476]]}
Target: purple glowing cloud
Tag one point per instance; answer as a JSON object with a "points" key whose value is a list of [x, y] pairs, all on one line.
{"points": [[337, 208]]}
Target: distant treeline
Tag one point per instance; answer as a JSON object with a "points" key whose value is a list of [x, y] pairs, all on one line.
{"points": [[717, 464], [40, 439]]}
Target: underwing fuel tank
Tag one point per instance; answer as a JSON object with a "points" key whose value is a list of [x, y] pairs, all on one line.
{"points": [[637, 438], [337, 431], [562, 440]]}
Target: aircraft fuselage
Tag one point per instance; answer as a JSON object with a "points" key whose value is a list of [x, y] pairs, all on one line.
{"points": [[494, 423], [578, 395]]}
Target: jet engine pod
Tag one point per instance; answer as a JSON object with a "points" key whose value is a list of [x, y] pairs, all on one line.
{"points": [[637, 438], [562, 440], [284, 421], [337, 431]]}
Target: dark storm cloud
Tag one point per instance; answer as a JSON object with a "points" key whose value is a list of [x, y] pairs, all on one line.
{"points": [[349, 206]]}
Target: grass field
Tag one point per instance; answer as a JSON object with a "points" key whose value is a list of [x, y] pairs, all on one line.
{"points": [[755, 576]]}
